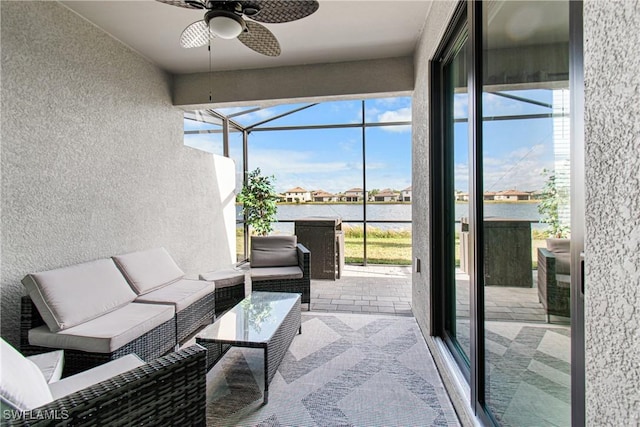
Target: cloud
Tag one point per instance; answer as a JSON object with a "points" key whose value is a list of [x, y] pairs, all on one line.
{"points": [[399, 115], [517, 169], [211, 143], [302, 168], [461, 106], [495, 105]]}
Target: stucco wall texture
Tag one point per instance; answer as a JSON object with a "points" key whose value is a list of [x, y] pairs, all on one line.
{"points": [[439, 16], [93, 161], [612, 240]]}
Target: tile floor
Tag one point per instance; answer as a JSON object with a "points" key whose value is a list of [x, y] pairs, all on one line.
{"points": [[372, 289], [387, 290]]}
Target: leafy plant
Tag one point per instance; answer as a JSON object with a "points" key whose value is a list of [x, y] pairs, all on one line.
{"points": [[550, 201], [258, 198]]}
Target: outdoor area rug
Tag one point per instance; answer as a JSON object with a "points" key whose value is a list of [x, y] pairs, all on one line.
{"points": [[344, 369]]}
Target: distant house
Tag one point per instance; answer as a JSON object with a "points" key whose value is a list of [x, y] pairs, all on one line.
{"points": [[386, 195], [512, 195], [323, 196], [297, 194], [353, 195], [405, 195], [489, 195], [462, 196], [537, 195]]}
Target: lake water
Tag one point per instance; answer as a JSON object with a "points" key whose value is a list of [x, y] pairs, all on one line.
{"points": [[391, 212]]}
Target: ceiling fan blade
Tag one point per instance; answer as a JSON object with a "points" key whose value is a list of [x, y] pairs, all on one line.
{"points": [[259, 38], [196, 35], [276, 11], [189, 4]]}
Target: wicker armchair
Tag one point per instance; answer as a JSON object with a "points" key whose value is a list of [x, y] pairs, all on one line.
{"points": [[167, 391], [280, 264], [554, 290]]}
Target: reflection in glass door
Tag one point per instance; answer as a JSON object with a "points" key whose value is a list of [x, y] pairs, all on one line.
{"points": [[525, 168], [456, 233]]}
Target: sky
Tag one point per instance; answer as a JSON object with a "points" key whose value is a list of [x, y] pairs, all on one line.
{"points": [[514, 154], [325, 159]]}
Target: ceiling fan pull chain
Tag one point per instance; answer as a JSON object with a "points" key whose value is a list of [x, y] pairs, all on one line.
{"points": [[210, 88]]}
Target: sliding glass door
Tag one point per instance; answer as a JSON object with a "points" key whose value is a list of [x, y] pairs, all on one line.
{"points": [[525, 181], [501, 217], [456, 199]]}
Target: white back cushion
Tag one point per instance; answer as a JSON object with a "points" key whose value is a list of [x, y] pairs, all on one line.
{"points": [[22, 385], [68, 296], [149, 270]]}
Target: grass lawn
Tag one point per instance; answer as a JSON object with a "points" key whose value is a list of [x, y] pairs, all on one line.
{"points": [[394, 247], [380, 250]]}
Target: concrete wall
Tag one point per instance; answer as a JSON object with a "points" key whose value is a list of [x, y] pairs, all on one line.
{"points": [[93, 161], [342, 80], [612, 240]]}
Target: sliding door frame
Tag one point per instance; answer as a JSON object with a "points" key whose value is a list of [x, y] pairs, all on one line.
{"points": [[440, 154], [468, 17]]}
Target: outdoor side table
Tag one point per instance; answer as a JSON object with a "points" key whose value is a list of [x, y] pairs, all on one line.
{"points": [[267, 320], [321, 235]]}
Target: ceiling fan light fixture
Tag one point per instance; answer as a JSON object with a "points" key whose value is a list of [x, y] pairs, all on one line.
{"points": [[226, 25]]}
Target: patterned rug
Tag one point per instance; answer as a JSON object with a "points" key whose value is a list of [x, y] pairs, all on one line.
{"points": [[529, 372], [343, 370]]}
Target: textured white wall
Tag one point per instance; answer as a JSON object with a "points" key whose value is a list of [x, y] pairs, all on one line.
{"points": [[437, 20], [612, 240], [292, 84], [93, 161]]}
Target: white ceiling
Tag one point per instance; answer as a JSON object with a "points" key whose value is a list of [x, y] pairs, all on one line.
{"points": [[341, 30]]}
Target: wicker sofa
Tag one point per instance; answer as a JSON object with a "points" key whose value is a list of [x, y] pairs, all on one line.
{"points": [[102, 310], [169, 390], [280, 264]]}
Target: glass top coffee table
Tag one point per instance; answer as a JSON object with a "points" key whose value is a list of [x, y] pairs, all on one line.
{"points": [[267, 320]]}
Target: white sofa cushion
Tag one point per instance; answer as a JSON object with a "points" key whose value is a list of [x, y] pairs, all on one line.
{"points": [[274, 251], [275, 273], [68, 296], [180, 294], [106, 333], [50, 364], [23, 385], [148, 270], [69, 385]]}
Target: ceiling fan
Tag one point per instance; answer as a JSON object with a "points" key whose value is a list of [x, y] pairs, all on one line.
{"points": [[228, 20]]}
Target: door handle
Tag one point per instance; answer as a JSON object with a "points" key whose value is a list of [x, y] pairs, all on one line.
{"points": [[582, 273]]}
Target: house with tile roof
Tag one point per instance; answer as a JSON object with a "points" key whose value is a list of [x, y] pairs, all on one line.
{"points": [[386, 195], [405, 195], [353, 195], [297, 195], [323, 196]]}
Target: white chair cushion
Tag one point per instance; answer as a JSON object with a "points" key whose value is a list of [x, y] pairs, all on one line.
{"points": [[274, 251], [69, 385], [22, 384], [106, 333], [50, 364], [148, 270], [180, 294], [275, 273], [68, 296], [224, 278]]}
